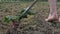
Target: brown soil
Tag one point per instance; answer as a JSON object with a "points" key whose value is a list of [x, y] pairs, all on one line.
{"points": [[32, 25]]}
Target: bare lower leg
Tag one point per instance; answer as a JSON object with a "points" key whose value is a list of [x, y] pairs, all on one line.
{"points": [[53, 11]]}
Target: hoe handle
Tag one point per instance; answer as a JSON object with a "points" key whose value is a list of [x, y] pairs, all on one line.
{"points": [[29, 7]]}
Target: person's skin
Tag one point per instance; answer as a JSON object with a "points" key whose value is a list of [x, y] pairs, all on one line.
{"points": [[53, 16]]}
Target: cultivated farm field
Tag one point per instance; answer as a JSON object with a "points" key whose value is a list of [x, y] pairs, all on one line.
{"points": [[34, 24]]}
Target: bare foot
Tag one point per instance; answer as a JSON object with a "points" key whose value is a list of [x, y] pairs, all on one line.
{"points": [[59, 19], [52, 18]]}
